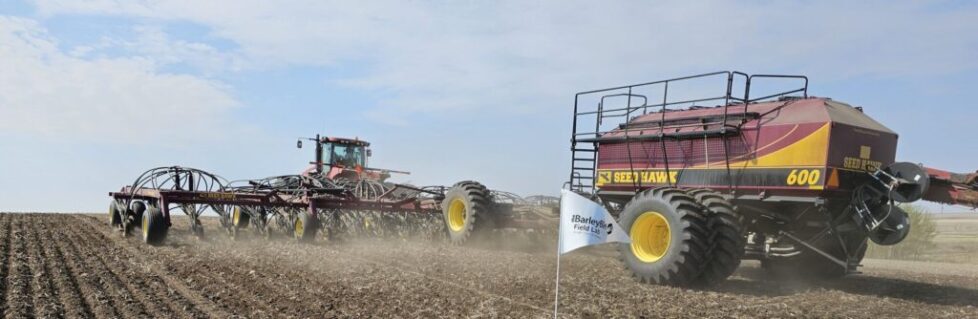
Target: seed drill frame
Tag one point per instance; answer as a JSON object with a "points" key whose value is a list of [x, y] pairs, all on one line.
{"points": [[302, 205]]}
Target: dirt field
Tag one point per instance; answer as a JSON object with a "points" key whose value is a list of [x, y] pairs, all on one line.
{"points": [[57, 265]]}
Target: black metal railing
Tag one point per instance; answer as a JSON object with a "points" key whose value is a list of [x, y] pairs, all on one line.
{"points": [[584, 142]]}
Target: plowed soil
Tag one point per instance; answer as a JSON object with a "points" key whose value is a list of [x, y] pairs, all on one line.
{"points": [[59, 265]]}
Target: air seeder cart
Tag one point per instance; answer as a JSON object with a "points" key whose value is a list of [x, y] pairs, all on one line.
{"points": [[702, 181], [339, 194]]}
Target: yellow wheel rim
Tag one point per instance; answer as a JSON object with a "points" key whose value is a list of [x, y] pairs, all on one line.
{"points": [[146, 225], [236, 216], [456, 215], [299, 229], [651, 236]]}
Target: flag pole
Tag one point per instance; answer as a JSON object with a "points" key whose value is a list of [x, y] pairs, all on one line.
{"points": [[557, 284]]}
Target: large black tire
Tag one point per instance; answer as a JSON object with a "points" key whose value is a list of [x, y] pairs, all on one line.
{"points": [[727, 237], [115, 215], [154, 226], [240, 217], [670, 237], [305, 227], [466, 210], [132, 217]]}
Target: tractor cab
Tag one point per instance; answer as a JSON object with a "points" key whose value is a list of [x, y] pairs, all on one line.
{"points": [[344, 152], [345, 158], [339, 157]]}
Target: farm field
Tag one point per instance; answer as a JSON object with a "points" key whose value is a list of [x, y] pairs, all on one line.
{"points": [[70, 265], [957, 238]]}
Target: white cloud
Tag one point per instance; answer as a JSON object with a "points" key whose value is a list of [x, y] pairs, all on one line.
{"points": [[47, 92], [523, 56], [430, 61], [152, 41]]}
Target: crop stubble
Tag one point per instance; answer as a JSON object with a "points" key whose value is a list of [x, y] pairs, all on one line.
{"points": [[60, 265]]}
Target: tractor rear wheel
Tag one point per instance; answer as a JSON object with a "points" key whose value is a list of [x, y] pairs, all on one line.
{"points": [[670, 237], [154, 226], [305, 227], [727, 235], [466, 209]]}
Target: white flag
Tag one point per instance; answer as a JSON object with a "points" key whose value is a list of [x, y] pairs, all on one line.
{"points": [[584, 222]]}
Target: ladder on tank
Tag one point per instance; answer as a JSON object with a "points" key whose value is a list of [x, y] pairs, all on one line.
{"points": [[583, 167]]}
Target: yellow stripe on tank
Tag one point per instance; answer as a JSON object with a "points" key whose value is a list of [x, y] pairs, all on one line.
{"points": [[812, 150]]}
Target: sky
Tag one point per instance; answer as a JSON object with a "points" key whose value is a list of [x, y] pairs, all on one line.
{"points": [[94, 92]]}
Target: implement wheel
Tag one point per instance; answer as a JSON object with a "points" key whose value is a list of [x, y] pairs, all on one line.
{"points": [[115, 216], [305, 227], [240, 217], [670, 237], [466, 211], [154, 227]]}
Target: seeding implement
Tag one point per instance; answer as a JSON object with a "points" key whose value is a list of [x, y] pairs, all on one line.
{"points": [[338, 195], [702, 182]]}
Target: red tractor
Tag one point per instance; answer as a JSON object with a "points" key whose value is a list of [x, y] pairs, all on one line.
{"points": [[702, 181]]}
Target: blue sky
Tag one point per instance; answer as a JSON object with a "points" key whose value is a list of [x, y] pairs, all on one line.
{"points": [[94, 92]]}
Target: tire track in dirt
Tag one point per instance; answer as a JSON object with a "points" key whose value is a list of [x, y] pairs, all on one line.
{"points": [[507, 283], [301, 287], [46, 295], [352, 283], [122, 298], [19, 288], [5, 262], [130, 284], [202, 296], [537, 271], [251, 286], [190, 301], [69, 293], [422, 294], [146, 287], [88, 282], [186, 302], [414, 270], [417, 258], [187, 279], [333, 293]]}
